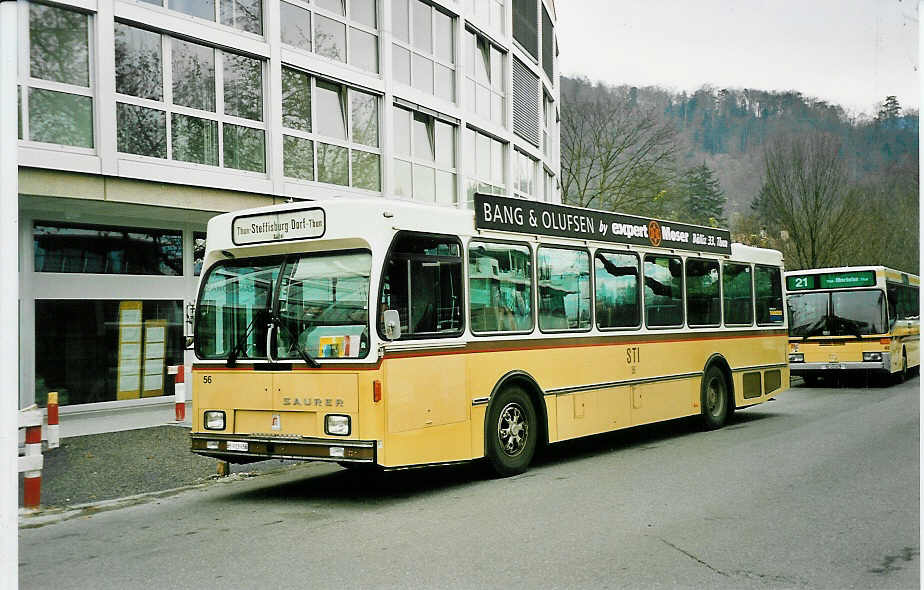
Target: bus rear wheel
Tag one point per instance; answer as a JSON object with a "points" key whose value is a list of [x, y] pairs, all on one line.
{"points": [[714, 398], [512, 431]]}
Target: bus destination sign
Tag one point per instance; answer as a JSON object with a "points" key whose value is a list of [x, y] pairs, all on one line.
{"points": [[299, 224], [532, 217], [833, 280]]}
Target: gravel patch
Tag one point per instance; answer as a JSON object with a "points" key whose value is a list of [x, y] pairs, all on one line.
{"points": [[113, 465]]}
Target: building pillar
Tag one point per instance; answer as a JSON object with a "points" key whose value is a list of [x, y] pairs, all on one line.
{"points": [[9, 287]]}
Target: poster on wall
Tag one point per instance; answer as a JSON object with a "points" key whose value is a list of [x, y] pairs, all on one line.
{"points": [[155, 343], [130, 350]]}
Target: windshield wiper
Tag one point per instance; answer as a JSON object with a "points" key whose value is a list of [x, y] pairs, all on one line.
{"points": [[242, 341], [309, 360], [815, 327], [850, 325]]}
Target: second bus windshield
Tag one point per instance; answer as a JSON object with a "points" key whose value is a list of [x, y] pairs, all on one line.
{"points": [[838, 313]]}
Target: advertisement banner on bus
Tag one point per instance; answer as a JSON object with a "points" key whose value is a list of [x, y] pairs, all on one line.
{"points": [[531, 217]]}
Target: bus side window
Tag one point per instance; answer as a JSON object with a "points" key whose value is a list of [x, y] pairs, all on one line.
{"points": [[769, 295], [736, 288], [893, 298], [423, 283], [500, 287]]}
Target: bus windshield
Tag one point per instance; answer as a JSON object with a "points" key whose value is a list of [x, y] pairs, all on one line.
{"points": [[839, 313], [321, 310]]}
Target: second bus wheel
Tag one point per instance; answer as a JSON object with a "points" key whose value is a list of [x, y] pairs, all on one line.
{"points": [[512, 430], [714, 398]]}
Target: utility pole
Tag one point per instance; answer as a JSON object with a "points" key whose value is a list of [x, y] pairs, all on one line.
{"points": [[9, 298]]}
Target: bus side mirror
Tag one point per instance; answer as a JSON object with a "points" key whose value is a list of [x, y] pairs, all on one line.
{"points": [[392, 324]]}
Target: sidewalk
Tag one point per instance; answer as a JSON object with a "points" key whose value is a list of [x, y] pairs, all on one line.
{"points": [[98, 467]]}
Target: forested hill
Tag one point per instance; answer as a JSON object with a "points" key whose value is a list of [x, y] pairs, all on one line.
{"points": [[780, 169], [728, 128]]}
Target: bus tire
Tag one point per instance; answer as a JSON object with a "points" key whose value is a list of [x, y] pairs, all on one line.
{"points": [[714, 398], [511, 432]]}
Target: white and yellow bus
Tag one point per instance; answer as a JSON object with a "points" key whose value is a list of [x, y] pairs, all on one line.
{"points": [[397, 334], [853, 318]]}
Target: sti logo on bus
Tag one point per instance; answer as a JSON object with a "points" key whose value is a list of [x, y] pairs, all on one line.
{"points": [[298, 224], [531, 217]]}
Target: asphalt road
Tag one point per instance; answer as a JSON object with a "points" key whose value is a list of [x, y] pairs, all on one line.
{"points": [[817, 489]]}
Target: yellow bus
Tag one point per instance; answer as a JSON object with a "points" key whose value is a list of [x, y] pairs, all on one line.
{"points": [[853, 318], [393, 334]]}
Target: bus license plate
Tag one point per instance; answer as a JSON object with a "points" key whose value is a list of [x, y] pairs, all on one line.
{"points": [[828, 366], [234, 445]]}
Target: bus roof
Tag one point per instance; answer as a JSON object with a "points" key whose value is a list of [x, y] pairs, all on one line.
{"points": [[354, 222]]}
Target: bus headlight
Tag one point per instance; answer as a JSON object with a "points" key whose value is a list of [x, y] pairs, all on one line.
{"points": [[872, 357], [214, 420], [337, 424], [797, 358]]}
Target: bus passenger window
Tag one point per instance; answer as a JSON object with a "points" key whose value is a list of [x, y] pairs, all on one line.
{"points": [[703, 300], [500, 287], [423, 283], [736, 286], [564, 289], [769, 295], [616, 286], [663, 291]]}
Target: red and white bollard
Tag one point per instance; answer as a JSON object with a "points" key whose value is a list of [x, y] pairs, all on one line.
{"points": [[30, 464], [179, 393], [53, 433]]}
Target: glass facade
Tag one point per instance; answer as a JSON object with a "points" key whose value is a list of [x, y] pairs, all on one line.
{"points": [[222, 103]]}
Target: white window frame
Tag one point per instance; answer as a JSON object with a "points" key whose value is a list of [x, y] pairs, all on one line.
{"points": [[349, 23], [216, 17], [483, 185], [349, 143], [167, 106], [25, 81], [484, 11], [431, 56], [434, 164], [470, 46], [521, 159]]}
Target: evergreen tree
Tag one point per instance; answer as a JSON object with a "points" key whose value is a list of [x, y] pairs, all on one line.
{"points": [[704, 199], [890, 110]]}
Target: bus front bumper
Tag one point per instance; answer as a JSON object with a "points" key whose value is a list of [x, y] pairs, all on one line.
{"points": [[244, 448], [802, 368]]}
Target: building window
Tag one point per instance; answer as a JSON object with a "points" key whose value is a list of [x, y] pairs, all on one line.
{"points": [[106, 350], [550, 188], [243, 15], [489, 11], [202, 123], [346, 33], [548, 45], [58, 105], [423, 50], [484, 165], [525, 103], [548, 125], [524, 184], [425, 157], [339, 143], [198, 252], [484, 78], [100, 249], [526, 25]]}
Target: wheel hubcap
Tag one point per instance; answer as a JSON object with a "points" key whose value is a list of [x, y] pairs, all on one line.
{"points": [[715, 397], [512, 429]]}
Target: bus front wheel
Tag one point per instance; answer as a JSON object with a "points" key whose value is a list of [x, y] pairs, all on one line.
{"points": [[512, 431], [714, 398]]}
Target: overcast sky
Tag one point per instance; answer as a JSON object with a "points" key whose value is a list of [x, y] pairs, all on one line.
{"points": [[850, 52]]}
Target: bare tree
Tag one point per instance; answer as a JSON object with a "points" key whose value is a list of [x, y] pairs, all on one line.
{"points": [[807, 193], [615, 153]]}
